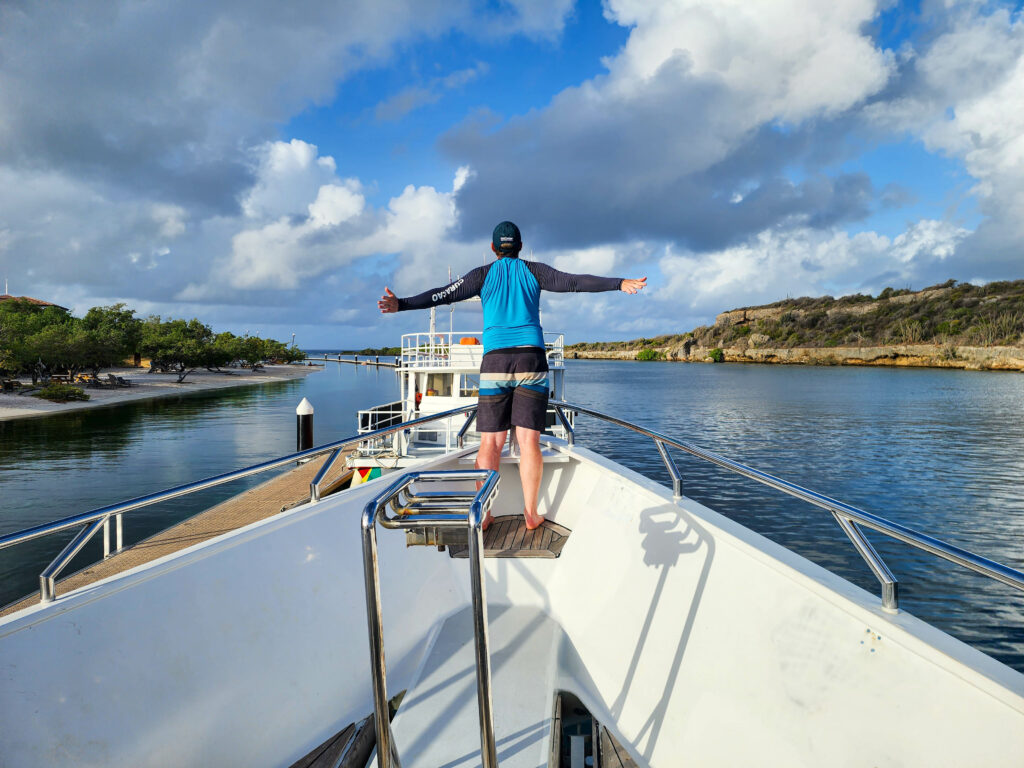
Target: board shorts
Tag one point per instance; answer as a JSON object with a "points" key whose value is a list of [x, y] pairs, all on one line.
{"points": [[513, 389]]}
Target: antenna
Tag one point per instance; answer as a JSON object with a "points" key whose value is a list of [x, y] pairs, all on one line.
{"points": [[451, 307]]}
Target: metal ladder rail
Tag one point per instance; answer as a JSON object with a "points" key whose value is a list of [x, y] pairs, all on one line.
{"points": [[848, 517], [418, 512]]}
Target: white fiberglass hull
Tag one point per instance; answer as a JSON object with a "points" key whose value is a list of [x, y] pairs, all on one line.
{"points": [[690, 637]]}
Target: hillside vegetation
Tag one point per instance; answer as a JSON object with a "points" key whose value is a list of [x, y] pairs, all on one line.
{"points": [[949, 315]]}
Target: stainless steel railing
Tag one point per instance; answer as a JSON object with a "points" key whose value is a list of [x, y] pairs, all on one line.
{"points": [[418, 512], [94, 520], [849, 518]]}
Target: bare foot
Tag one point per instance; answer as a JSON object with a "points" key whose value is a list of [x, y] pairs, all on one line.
{"points": [[487, 522], [533, 521]]}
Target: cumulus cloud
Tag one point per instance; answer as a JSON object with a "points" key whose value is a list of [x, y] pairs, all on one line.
{"points": [[805, 262], [301, 221], [134, 137], [141, 159], [692, 132], [962, 97]]}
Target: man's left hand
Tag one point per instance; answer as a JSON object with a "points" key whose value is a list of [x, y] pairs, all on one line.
{"points": [[634, 285], [388, 303]]}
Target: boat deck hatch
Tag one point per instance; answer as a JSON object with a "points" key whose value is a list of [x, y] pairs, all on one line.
{"points": [[508, 537]]}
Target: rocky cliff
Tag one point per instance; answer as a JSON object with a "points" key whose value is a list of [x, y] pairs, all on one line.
{"points": [[995, 358], [952, 325]]}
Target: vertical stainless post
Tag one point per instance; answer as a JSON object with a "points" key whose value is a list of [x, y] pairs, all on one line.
{"points": [[483, 656], [321, 475], [118, 533], [106, 537], [48, 578], [677, 479], [569, 431], [380, 685], [465, 428], [890, 586]]}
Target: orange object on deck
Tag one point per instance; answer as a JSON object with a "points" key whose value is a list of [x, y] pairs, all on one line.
{"points": [[469, 340]]}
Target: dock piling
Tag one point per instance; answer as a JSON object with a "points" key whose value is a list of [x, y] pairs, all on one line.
{"points": [[304, 426]]}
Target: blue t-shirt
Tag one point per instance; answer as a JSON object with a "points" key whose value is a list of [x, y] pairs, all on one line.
{"points": [[511, 299]]}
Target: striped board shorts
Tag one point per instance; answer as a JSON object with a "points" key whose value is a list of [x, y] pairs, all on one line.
{"points": [[513, 389]]}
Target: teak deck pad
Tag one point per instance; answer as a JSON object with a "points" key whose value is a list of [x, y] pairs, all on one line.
{"points": [[508, 537], [349, 748], [612, 753]]}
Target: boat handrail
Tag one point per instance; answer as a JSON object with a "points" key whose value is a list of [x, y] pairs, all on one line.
{"points": [[98, 518], [445, 350], [848, 517]]}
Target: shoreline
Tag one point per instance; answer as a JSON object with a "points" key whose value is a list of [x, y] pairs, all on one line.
{"points": [[969, 358], [149, 386]]}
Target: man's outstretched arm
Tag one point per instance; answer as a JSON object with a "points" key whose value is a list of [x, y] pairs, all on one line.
{"points": [[551, 279], [464, 288]]}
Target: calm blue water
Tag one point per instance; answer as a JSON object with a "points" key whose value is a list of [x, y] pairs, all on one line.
{"points": [[939, 451]]}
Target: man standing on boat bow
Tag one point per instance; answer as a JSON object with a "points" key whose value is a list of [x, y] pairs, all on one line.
{"points": [[514, 369]]}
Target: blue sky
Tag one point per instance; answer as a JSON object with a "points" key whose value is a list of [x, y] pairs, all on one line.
{"points": [[511, 76], [273, 167]]}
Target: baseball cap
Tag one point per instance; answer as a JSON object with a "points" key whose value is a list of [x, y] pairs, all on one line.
{"points": [[506, 239]]}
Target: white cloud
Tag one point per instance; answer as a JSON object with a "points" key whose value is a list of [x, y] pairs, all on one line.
{"points": [[804, 262], [966, 105], [273, 248], [170, 218], [287, 174], [336, 203], [689, 134], [161, 177], [598, 260], [790, 59]]}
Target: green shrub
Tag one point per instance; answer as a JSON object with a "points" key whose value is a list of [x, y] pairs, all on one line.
{"points": [[59, 392], [649, 354], [717, 355]]}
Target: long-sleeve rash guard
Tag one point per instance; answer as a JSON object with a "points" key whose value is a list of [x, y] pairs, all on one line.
{"points": [[510, 291]]}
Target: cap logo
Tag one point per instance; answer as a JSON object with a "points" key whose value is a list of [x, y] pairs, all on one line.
{"points": [[506, 238]]}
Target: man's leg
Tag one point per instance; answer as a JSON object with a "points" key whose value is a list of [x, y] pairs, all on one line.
{"points": [[531, 466], [489, 457]]}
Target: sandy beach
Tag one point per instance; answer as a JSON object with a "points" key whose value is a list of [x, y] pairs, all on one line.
{"points": [[148, 386]]}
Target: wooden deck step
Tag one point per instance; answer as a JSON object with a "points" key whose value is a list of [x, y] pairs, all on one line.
{"points": [[348, 748], [612, 753], [509, 537]]}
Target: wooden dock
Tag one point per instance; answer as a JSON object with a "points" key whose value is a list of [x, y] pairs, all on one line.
{"points": [[280, 493], [354, 361]]}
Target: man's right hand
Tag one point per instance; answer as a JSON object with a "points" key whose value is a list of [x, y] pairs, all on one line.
{"points": [[633, 286], [388, 302]]}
